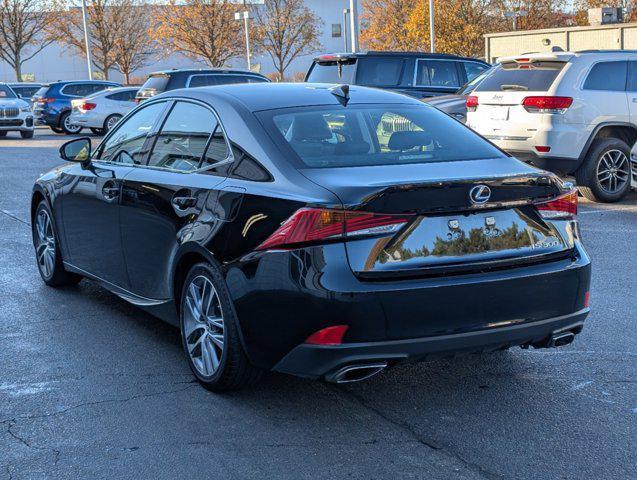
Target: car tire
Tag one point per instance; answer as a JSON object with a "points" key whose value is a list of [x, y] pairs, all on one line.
{"points": [[604, 176], [57, 130], [27, 134], [97, 131], [210, 332], [68, 128], [47, 250], [110, 122]]}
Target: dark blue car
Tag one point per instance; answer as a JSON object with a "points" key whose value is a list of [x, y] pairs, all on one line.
{"points": [[52, 102]]}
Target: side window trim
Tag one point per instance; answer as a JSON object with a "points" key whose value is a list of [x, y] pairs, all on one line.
{"points": [[152, 132], [156, 131]]}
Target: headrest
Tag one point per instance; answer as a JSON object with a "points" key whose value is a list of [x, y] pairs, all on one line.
{"points": [[408, 140], [310, 128]]}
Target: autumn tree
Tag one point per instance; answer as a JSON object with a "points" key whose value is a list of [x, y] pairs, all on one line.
{"points": [[199, 29], [133, 46], [22, 31], [110, 25], [285, 30]]}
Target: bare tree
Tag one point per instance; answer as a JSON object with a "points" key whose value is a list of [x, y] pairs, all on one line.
{"points": [[286, 29], [133, 47], [22, 31], [109, 22], [199, 29]]}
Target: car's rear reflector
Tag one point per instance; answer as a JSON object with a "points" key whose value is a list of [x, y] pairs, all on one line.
{"points": [[328, 336], [317, 225], [546, 104], [562, 207], [543, 148], [472, 103]]}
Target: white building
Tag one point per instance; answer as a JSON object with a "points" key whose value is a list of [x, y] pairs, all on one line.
{"points": [[59, 63]]}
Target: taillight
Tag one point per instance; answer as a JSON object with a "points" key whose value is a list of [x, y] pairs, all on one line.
{"points": [[328, 336], [87, 106], [472, 103], [316, 225], [46, 100], [562, 207], [546, 104]]}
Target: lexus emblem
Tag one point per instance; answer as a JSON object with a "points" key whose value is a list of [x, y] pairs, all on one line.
{"points": [[479, 194]]}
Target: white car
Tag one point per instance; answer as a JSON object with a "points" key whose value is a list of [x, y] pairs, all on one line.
{"points": [[102, 110], [15, 114], [567, 112]]}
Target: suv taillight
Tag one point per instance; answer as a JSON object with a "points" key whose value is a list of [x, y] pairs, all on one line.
{"points": [[318, 225], [546, 104], [562, 207], [472, 103]]}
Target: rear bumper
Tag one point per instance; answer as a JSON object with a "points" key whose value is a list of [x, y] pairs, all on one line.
{"points": [[559, 165], [314, 361], [89, 120]]}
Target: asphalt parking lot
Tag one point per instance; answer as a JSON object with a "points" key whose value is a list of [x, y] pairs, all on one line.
{"points": [[92, 387]]}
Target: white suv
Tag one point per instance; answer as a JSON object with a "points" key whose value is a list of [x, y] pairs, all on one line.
{"points": [[570, 113], [15, 114]]}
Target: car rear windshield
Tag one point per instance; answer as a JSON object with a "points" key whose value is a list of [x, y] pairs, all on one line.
{"points": [[42, 91], [361, 135], [6, 92], [333, 72], [157, 83], [513, 76]]}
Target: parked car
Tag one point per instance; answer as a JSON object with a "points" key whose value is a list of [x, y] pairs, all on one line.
{"points": [[15, 114], [455, 104], [166, 80], [322, 232], [417, 74], [25, 90], [102, 110], [568, 112], [52, 103]]}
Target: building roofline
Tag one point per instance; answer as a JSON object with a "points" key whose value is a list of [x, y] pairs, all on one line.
{"points": [[561, 29]]}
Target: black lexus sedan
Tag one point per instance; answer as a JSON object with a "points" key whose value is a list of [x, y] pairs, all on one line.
{"points": [[323, 231]]}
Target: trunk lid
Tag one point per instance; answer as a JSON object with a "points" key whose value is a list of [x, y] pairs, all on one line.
{"points": [[447, 231]]}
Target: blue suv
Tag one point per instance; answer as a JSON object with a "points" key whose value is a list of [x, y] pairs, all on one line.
{"points": [[52, 102]]}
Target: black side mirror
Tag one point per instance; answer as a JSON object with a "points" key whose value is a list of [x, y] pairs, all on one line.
{"points": [[77, 150]]}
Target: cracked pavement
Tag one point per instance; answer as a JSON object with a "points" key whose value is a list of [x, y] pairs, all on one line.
{"points": [[92, 387]]}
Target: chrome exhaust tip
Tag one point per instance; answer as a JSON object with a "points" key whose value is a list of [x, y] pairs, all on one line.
{"points": [[561, 339], [356, 372]]}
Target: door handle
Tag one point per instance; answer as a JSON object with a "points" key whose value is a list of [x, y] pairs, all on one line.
{"points": [[184, 202], [634, 99], [109, 191]]}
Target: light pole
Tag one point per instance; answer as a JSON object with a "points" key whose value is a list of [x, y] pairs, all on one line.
{"points": [[345, 13], [245, 16], [353, 30], [87, 44], [514, 15], [432, 35]]}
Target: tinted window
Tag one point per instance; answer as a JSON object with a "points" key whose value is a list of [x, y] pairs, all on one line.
{"points": [[468, 87], [539, 77], [6, 92], [379, 71], [183, 137], [25, 92], [607, 76], [127, 96], [130, 135], [343, 72], [224, 79], [632, 77], [156, 82], [217, 147], [437, 73], [81, 89], [42, 91], [473, 69], [375, 135]]}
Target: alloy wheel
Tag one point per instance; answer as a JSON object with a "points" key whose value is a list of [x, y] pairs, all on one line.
{"points": [[111, 122], [203, 326], [45, 248], [613, 171], [70, 127]]}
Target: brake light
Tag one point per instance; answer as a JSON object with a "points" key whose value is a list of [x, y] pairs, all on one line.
{"points": [[87, 106], [46, 100], [546, 104], [328, 336], [316, 225], [564, 206], [472, 103]]}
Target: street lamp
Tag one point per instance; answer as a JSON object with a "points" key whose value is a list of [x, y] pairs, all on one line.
{"points": [[87, 44], [345, 14], [353, 30], [244, 16], [514, 15], [432, 35]]}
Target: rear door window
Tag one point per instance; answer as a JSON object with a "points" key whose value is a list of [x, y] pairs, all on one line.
{"points": [[610, 76], [537, 77], [157, 83], [183, 138], [437, 73], [380, 71], [473, 69], [224, 79]]}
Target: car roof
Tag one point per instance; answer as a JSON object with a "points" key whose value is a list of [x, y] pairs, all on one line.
{"points": [[24, 84], [378, 53], [269, 96], [206, 70], [65, 82]]}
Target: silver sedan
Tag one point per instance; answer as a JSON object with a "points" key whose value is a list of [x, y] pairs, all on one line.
{"points": [[102, 110]]}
